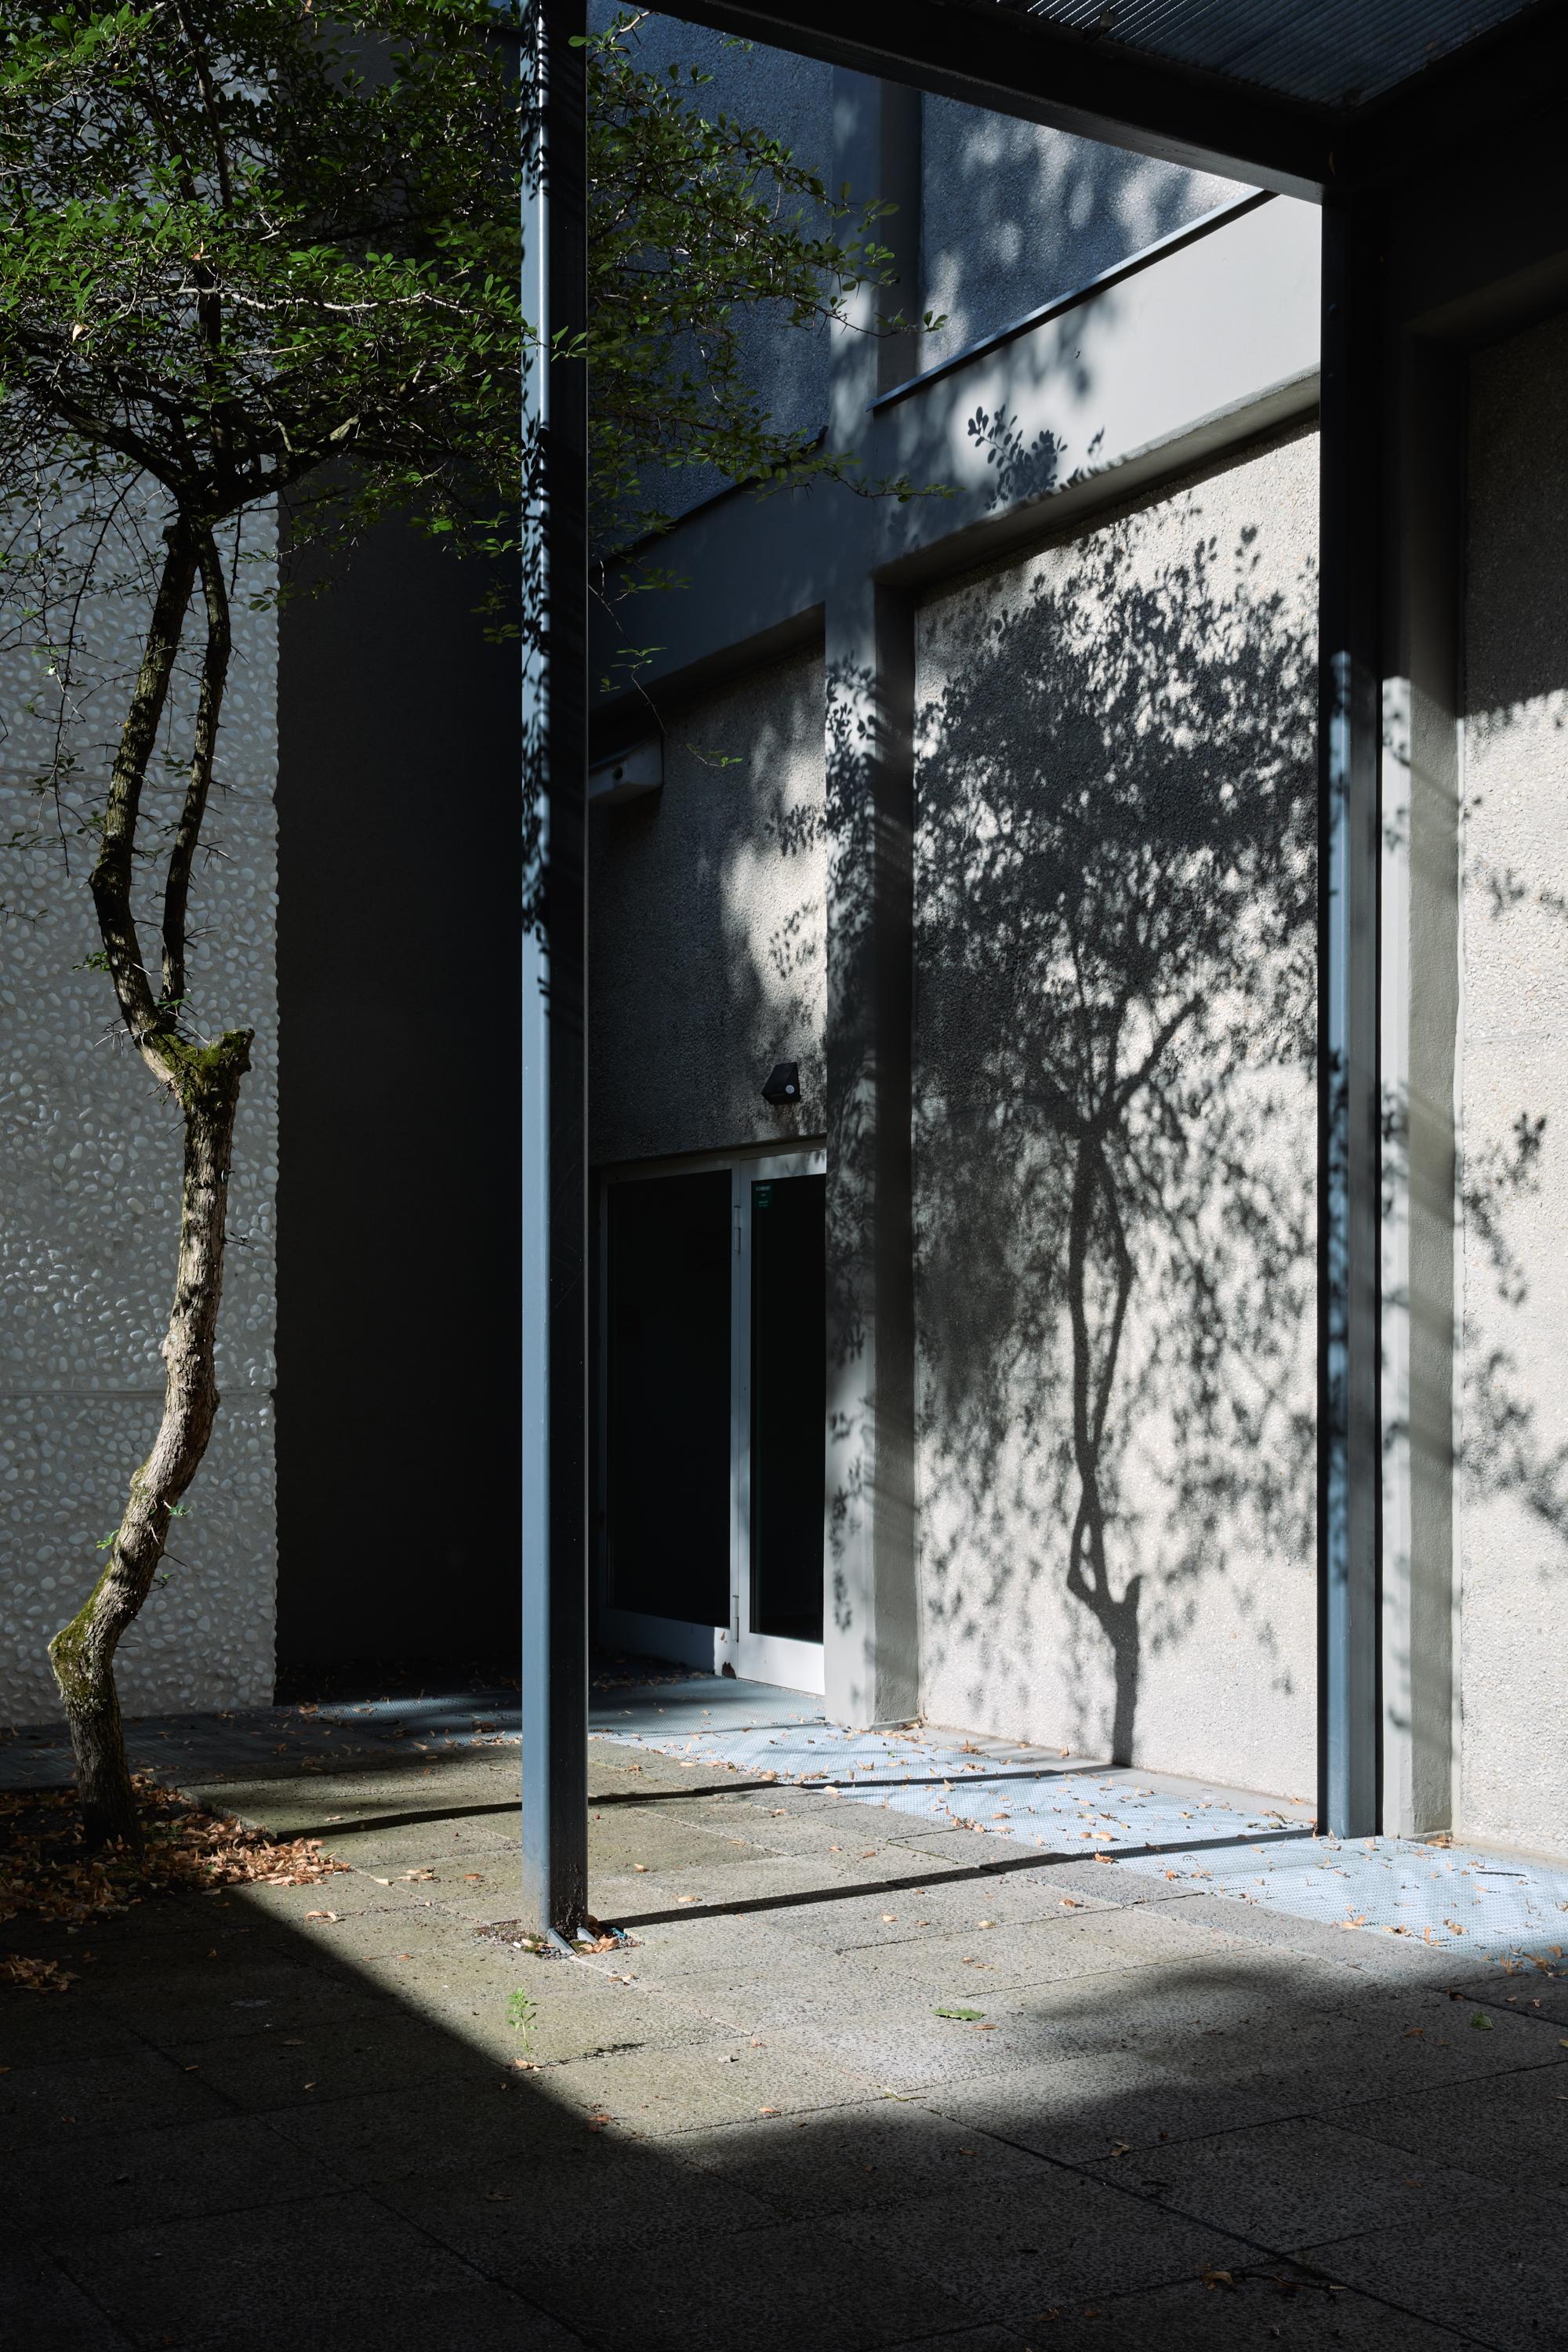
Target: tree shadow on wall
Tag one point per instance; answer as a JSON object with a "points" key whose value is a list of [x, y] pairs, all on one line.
{"points": [[1113, 1127]]}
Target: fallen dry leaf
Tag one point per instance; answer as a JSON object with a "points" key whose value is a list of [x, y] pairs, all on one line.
{"points": [[34, 1976]]}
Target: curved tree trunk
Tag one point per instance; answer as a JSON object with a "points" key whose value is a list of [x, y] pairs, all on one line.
{"points": [[1095, 1354], [82, 1653], [204, 1079]]}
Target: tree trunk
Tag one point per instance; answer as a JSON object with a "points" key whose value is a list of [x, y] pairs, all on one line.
{"points": [[207, 1081]]}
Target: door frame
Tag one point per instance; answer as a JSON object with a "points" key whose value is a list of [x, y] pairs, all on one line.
{"points": [[762, 1657]]}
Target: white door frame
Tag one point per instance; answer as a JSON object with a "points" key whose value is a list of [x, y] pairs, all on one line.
{"points": [[761, 1657]]}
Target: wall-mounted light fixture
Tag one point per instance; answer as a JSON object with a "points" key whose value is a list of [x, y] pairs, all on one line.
{"points": [[782, 1083], [626, 775]]}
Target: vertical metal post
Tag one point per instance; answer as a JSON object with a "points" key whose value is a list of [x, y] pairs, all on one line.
{"points": [[554, 1144], [1348, 1468]]}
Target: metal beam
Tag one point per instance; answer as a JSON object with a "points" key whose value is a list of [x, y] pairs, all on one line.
{"points": [[1350, 741], [1505, 77], [555, 1315], [1071, 80]]}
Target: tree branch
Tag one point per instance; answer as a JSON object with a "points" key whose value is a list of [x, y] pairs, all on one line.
{"points": [[112, 874], [187, 833]]}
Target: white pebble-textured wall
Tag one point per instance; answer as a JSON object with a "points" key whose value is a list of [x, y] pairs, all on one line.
{"points": [[89, 1183]]}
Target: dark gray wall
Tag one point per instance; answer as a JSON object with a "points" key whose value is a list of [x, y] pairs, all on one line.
{"points": [[398, 954]]}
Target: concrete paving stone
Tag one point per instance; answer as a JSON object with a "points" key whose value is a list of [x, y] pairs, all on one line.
{"points": [[1511, 2128], [867, 2158], [790, 2288], [1160, 2007], [380, 1931], [224, 2164], [1525, 1990], [259, 2073], [666, 1838], [1499, 2275], [907, 2047], [776, 1880], [338, 2269], [500, 2216], [964, 2339], [764, 1832], [43, 2105], [196, 2002], [1078, 2109], [1294, 2183], [433, 1843], [1397, 1959], [1008, 2251], [43, 2030], [566, 2029], [1318, 2062], [44, 2311], [427, 2128], [1274, 2302], [654, 2092]]}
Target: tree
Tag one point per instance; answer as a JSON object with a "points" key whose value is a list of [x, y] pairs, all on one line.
{"points": [[247, 261]]}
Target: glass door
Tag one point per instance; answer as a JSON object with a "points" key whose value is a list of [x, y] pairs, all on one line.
{"points": [[712, 1389], [665, 1483]]}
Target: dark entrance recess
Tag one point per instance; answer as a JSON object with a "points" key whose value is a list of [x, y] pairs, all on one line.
{"points": [[397, 963], [789, 1405], [667, 1523]]}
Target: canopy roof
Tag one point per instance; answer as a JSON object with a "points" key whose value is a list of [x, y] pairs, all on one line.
{"points": [[1330, 53], [1305, 96]]}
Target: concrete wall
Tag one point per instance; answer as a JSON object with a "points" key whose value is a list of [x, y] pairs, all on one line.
{"points": [[1012, 214], [706, 926], [1512, 1650], [1115, 813], [90, 1179]]}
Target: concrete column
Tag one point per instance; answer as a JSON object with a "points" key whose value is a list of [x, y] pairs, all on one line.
{"points": [[870, 1619], [1419, 962], [1349, 1398]]}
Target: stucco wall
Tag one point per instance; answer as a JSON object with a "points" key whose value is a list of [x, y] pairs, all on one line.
{"points": [[706, 926], [1012, 214], [89, 1176], [1513, 1542], [1114, 849]]}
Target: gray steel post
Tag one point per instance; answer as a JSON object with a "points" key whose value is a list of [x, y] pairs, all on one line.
{"points": [[1349, 1466], [554, 1149]]}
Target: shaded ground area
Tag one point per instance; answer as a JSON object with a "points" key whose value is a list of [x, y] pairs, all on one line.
{"points": [[842, 2093]]}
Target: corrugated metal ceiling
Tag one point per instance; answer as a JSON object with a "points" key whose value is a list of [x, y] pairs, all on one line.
{"points": [[1336, 53]]}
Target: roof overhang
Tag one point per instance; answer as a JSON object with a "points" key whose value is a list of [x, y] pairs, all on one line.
{"points": [[1016, 61]]}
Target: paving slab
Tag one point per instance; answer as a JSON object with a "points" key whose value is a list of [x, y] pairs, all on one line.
{"points": [[750, 2127], [1293, 2183], [1499, 2274], [1012, 2249], [1274, 2303], [374, 2279]]}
